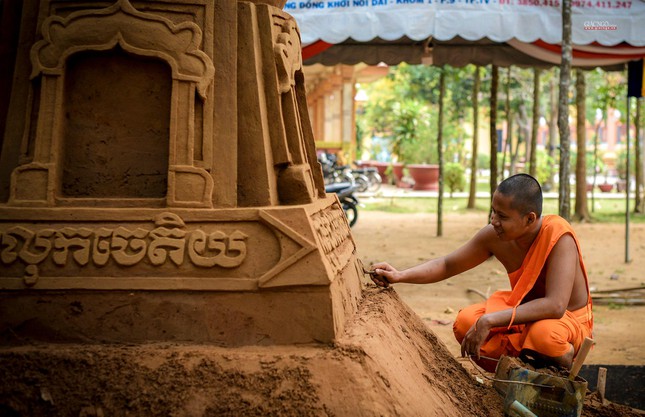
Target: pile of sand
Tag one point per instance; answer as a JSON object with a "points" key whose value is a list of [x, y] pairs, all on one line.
{"points": [[386, 364]]}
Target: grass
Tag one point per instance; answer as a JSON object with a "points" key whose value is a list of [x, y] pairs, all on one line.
{"points": [[606, 211]]}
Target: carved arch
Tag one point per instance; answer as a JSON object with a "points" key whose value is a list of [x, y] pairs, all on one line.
{"points": [[137, 32], [143, 34]]}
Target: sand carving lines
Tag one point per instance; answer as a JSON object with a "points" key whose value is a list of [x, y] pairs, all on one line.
{"points": [[245, 254]]}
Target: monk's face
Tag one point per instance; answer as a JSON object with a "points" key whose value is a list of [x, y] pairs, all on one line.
{"points": [[509, 224]]}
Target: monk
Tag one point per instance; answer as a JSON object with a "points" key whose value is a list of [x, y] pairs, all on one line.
{"points": [[546, 315]]}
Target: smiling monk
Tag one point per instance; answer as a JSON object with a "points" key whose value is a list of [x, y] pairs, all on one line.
{"points": [[546, 315]]}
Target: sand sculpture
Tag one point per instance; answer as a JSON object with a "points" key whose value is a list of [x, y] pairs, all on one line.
{"points": [[159, 180]]}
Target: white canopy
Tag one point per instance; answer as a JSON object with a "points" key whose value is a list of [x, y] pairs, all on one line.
{"points": [[607, 22]]}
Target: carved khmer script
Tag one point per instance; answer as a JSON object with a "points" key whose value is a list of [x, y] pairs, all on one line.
{"points": [[125, 247]]}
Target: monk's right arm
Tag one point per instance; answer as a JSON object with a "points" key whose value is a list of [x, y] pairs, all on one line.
{"points": [[428, 272], [473, 253]]}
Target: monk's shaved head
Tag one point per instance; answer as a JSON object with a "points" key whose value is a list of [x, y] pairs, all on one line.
{"points": [[525, 192]]}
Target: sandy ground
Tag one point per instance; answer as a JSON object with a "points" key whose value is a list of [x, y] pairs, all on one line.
{"points": [[407, 239], [394, 359], [386, 363]]}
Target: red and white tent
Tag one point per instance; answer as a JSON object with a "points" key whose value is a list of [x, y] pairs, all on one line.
{"points": [[604, 32]]}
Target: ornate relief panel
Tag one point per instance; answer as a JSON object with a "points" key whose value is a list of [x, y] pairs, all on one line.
{"points": [[201, 251], [137, 33]]}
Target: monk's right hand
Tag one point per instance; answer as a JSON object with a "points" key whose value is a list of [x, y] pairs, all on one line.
{"points": [[383, 274]]}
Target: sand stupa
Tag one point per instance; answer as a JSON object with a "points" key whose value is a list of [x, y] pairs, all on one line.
{"points": [[167, 246]]}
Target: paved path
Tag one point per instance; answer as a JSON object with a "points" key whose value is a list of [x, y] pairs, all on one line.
{"points": [[389, 191]]}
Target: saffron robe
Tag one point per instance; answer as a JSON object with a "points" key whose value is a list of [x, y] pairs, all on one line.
{"points": [[550, 337]]}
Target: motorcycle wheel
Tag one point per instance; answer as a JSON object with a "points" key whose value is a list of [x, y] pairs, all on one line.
{"points": [[351, 212], [375, 182], [362, 183]]}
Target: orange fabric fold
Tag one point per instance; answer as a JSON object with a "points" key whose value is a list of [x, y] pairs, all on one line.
{"points": [[522, 281], [550, 336]]}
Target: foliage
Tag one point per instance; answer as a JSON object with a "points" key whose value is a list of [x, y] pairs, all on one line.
{"points": [[621, 164], [600, 165], [605, 90], [404, 105], [454, 150], [454, 178], [545, 166], [483, 160], [413, 134]]}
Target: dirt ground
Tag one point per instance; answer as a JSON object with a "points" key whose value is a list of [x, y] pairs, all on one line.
{"points": [[407, 239], [394, 359], [386, 363]]}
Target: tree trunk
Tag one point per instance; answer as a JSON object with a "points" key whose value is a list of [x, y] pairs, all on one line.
{"points": [[508, 146], [581, 209], [596, 138], [535, 123], [523, 132], [442, 92], [473, 160], [553, 127], [493, 131], [639, 202], [564, 196]]}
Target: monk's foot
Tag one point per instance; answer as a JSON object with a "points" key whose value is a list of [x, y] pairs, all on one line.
{"points": [[565, 361], [539, 360]]}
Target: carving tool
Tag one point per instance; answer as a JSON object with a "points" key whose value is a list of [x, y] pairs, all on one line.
{"points": [[375, 276], [582, 355]]}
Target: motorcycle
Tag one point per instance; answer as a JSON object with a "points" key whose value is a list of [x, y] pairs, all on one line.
{"points": [[345, 193]]}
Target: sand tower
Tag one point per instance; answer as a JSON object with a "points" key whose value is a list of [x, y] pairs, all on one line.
{"points": [[158, 180]]}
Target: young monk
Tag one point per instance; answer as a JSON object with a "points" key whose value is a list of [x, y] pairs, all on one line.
{"points": [[546, 315]]}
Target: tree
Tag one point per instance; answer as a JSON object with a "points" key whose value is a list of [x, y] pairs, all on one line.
{"points": [[442, 93], [509, 124], [639, 203], [553, 127], [581, 210], [493, 129], [564, 195], [473, 159], [535, 122], [607, 87]]}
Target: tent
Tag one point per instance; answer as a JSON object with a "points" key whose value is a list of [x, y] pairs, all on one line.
{"points": [[605, 33]]}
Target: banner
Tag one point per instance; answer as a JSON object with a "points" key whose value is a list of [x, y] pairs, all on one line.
{"points": [[607, 22], [635, 79]]}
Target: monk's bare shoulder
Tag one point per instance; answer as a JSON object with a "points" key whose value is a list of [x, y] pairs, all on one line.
{"points": [[486, 238], [487, 235]]}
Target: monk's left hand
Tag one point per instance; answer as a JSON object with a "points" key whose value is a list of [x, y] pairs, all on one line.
{"points": [[475, 338]]}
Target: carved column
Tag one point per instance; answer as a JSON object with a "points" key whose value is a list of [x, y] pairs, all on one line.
{"points": [[202, 234]]}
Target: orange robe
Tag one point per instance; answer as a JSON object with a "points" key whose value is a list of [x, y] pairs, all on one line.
{"points": [[550, 337]]}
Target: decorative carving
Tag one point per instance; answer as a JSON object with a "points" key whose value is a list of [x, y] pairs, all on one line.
{"points": [[287, 53], [189, 187], [126, 247], [140, 34], [121, 24], [305, 246], [334, 236]]}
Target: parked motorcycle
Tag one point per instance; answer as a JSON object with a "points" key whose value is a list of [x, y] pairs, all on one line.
{"points": [[345, 193], [370, 180]]}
